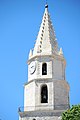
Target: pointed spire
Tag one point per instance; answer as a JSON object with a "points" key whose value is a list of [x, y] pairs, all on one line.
{"points": [[46, 42]]}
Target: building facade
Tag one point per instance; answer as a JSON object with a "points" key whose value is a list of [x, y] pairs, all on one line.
{"points": [[46, 94]]}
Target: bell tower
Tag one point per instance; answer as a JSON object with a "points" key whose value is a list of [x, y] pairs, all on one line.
{"points": [[46, 94]]}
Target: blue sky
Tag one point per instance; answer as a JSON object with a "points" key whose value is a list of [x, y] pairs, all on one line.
{"points": [[19, 25]]}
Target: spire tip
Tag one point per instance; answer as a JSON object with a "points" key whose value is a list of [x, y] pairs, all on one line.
{"points": [[46, 6]]}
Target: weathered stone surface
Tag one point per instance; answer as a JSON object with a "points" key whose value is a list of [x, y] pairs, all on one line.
{"points": [[57, 95], [41, 118], [41, 115]]}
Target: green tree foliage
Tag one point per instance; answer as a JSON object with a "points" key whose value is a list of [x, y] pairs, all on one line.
{"points": [[72, 114]]}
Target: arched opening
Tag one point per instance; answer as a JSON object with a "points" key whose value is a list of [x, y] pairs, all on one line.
{"points": [[44, 94], [44, 69]]}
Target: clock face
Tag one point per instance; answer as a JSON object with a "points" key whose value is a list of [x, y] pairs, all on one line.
{"points": [[32, 67]]}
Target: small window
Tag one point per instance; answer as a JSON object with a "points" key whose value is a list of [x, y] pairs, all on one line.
{"points": [[42, 31], [44, 94], [41, 42], [43, 24], [40, 51], [42, 34], [41, 38], [44, 69], [40, 46]]}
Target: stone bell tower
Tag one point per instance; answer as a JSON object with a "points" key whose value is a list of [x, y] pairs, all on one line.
{"points": [[46, 94]]}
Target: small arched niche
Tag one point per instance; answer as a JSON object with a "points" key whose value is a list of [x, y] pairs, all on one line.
{"points": [[44, 69], [44, 94], [34, 119]]}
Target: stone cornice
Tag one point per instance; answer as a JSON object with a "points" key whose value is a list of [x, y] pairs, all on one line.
{"points": [[55, 56]]}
